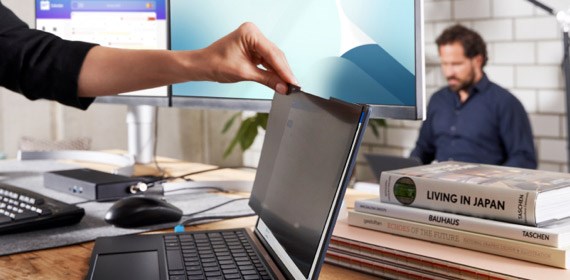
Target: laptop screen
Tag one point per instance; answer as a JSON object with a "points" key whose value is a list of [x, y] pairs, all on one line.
{"points": [[302, 171]]}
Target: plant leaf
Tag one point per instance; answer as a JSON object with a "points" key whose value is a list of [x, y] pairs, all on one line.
{"points": [[230, 122], [374, 124], [237, 137], [249, 134], [263, 117]]}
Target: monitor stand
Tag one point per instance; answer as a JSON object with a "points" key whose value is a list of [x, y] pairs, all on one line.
{"points": [[141, 120]]}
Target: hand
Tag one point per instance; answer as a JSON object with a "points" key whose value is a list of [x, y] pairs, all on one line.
{"points": [[236, 57]]}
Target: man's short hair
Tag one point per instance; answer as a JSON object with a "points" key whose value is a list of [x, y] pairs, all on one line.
{"points": [[471, 41]]}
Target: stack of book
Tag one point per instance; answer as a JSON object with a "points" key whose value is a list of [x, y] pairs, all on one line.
{"points": [[511, 212]]}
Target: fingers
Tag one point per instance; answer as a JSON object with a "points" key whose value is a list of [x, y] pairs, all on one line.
{"points": [[271, 55], [270, 79]]}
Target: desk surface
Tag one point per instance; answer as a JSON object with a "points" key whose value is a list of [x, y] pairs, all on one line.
{"points": [[72, 262]]}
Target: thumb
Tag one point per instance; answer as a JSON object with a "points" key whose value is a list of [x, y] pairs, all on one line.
{"points": [[271, 80]]}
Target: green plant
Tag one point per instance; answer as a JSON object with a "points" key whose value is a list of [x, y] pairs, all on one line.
{"points": [[249, 127]]}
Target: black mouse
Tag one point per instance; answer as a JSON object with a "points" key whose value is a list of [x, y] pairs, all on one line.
{"points": [[137, 211]]}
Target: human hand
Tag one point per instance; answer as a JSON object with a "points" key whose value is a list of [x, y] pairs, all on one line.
{"points": [[236, 57]]}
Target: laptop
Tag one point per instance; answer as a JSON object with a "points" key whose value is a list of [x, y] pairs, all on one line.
{"points": [[379, 163], [307, 158]]}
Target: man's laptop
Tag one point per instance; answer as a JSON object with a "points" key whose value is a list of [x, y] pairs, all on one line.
{"points": [[308, 155], [379, 163]]}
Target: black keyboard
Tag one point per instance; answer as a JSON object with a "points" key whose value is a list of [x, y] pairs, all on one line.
{"points": [[213, 255], [24, 210]]}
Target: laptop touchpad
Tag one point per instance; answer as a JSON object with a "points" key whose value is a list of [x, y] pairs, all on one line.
{"points": [[132, 265]]}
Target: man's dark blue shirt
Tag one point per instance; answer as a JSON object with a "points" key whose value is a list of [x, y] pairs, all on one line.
{"points": [[490, 127]]}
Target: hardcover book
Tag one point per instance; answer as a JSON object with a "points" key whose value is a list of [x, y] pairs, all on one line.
{"points": [[409, 252], [558, 257], [516, 195], [554, 235]]}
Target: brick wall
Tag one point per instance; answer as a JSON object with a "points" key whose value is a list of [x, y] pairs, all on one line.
{"points": [[525, 52]]}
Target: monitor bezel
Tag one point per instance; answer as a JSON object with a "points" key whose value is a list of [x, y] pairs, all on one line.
{"points": [[416, 112], [132, 99]]}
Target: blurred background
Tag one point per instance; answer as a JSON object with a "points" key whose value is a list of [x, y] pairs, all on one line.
{"points": [[525, 53]]}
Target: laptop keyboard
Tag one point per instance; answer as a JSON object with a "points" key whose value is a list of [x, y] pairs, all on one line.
{"points": [[213, 255]]}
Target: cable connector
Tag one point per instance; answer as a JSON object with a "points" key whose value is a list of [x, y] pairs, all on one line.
{"points": [[179, 228]]}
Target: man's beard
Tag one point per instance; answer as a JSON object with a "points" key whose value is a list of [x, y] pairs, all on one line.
{"points": [[463, 84]]}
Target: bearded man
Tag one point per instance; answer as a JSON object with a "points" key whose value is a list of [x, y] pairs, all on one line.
{"points": [[473, 119]]}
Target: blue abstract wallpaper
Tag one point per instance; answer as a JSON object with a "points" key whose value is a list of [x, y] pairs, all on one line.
{"points": [[361, 51]]}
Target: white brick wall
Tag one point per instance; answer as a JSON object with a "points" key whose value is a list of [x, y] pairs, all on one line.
{"points": [[538, 28], [495, 29], [545, 125], [551, 101], [472, 9], [553, 150], [438, 10], [512, 8], [550, 52], [514, 53]]}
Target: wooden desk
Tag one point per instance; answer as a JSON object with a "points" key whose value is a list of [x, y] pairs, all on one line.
{"points": [[72, 262]]}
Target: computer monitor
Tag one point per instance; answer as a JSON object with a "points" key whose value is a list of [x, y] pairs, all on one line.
{"points": [[361, 51], [133, 24]]}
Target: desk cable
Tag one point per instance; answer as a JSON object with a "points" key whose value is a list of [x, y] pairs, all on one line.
{"points": [[180, 226]]}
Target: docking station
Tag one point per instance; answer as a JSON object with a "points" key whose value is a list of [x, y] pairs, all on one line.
{"points": [[90, 184]]}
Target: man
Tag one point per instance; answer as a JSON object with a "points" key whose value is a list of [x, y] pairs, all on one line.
{"points": [[40, 65], [473, 119]]}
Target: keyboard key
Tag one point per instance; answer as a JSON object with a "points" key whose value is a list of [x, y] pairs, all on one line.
{"points": [[177, 272], [232, 276], [228, 266], [213, 274], [230, 271], [211, 269], [250, 277], [246, 267], [196, 277], [194, 268], [177, 277], [248, 272], [194, 272]]}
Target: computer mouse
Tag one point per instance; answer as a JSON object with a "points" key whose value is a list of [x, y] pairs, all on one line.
{"points": [[137, 211]]}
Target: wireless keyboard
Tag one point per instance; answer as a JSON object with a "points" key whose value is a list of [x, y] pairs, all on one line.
{"points": [[24, 210]]}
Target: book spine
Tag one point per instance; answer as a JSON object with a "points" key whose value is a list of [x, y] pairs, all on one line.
{"points": [[379, 267], [460, 222], [381, 261], [497, 203], [462, 239]]}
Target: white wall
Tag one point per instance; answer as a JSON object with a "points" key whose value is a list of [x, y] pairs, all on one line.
{"points": [[525, 51], [193, 135]]}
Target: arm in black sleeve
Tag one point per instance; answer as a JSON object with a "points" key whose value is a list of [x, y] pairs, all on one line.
{"points": [[38, 64]]}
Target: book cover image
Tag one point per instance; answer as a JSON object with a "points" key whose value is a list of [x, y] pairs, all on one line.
{"points": [[489, 175]]}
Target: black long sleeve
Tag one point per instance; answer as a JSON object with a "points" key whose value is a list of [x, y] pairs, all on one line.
{"points": [[38, 64]]}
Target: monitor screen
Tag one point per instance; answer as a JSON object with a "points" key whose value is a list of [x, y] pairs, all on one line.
{"points": [[132, 24], [361, 51]]}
